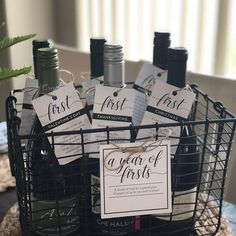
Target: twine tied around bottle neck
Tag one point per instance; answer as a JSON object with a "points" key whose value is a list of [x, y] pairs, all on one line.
{"points": [[143, 147], [187, 87]]}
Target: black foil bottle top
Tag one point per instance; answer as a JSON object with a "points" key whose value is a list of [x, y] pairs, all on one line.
{"points": [[160, 51], [177, 64], [37, 43], [96, 57]]}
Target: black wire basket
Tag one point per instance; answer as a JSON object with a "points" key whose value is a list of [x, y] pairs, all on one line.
{"points": [[214, 128]]}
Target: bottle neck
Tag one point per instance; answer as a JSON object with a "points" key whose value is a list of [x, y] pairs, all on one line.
{"points": [[48, 75], [160, 58], [96, 57], [160, 50], [37, 44], [177, 63], [113, 66]]}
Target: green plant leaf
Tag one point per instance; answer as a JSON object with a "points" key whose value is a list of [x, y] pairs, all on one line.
{"points": [[6, 73], [7, 42]]}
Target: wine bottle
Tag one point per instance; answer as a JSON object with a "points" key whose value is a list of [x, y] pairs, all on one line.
{"points": [[96, 71], [96, 57], [27, 113], [113, 77], [185, 165], [54, 187], [161, 44], [149, 73], [36, 45]]}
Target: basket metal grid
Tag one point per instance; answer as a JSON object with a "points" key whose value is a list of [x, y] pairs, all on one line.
{"points": [[214, 127]]}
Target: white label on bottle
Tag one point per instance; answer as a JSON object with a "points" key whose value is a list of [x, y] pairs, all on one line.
{"points": [[143, 85], [113, 107], [183, 207], [135, 181], [168, 104], [62, 110], [27, 113], [88, 91], [95, 194]]}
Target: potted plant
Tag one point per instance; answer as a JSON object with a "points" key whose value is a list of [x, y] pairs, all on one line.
{"points": [[6, 73]]}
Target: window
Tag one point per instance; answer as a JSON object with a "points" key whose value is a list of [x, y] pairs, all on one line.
{"points": [[204, 27]]}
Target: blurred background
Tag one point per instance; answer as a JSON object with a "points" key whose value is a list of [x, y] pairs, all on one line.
{"points": [[204, 27]]}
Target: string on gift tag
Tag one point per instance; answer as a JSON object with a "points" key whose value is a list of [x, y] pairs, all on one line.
{"points": [[71, 76], [149, 82], [187, 87], [117, 91], [92, 89], [144, 147]]}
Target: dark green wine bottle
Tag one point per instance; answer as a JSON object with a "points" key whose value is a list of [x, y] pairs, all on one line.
{"points": [[96, 57], [184, 166], [37, 44], [161, 44], [54, 190]]}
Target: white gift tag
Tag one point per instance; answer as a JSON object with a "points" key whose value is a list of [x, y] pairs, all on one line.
{"points": [[112, 107], [88, 91], [135, 181], [27, 113], [65, 113], [167, 104], [143, 85]]}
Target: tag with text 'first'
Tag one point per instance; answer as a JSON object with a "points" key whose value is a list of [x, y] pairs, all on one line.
{"points": [[135, 181], [62, 110], [168, 104]]}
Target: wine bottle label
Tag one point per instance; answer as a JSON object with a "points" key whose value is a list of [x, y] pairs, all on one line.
{"points": [[62, 110], [183, 207], [88, 91], [52, 218], [27, 112], [112, 107], [117, 226], [135, 179], [168, 104], [143, 85]]}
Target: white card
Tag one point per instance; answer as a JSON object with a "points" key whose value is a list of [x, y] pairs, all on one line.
{"points": [[135, 182], [143, 85], [166, 106], [113, 107], [66, 113], [88, 91], [27, 113]]}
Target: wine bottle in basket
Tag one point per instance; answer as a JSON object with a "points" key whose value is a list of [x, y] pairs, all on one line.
{"points": [[113, 80], [54, 197], [37, 44], [160, 50], [185, 165], [96, 57], [27, 114], [149, 73], [96, 71]]}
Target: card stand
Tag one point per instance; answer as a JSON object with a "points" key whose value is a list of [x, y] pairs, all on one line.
{"points": [[71, 211]]}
